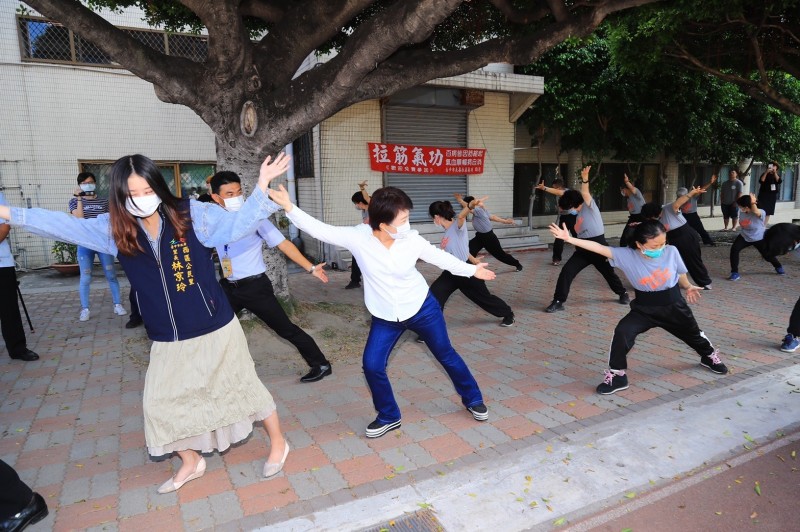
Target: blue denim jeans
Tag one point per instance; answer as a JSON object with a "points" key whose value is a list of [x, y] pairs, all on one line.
{"points": [[85, 261], [429, 324]]}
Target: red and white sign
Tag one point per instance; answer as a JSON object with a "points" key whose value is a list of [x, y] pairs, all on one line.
{"points": [[432, 160]]}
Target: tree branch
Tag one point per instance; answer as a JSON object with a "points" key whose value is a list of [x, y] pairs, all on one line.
{"points": [[140, 59], [519, 16], [228, 40], [264, 10]]}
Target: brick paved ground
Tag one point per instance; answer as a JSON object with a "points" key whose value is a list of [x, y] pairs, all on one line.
{"points": [[72, 425]]}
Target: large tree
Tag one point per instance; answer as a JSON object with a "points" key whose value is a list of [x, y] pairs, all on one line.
{"points": [[754, 44]]}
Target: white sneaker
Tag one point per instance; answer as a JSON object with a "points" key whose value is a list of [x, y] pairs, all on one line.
{"points": [[84, 314], [119, 310]]}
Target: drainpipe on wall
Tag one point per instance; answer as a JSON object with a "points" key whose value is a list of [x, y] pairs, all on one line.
{"points": [[291, 185]]}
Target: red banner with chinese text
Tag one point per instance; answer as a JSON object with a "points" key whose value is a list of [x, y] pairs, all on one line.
{"points": [[432, 160]]}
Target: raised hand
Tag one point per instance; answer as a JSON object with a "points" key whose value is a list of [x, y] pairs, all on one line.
{"points": [[281, 197], [540, 185], [585, 173], [561, 233], [271, 169]]}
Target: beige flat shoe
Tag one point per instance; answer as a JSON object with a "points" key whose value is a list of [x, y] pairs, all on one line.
{"points": [[270, 470], [170, 485]]}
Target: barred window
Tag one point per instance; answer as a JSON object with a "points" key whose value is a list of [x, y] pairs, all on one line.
{"points": [[303, 149], [43, 40]]}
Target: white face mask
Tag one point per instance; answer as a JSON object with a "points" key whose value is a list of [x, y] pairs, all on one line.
{"points": [[234, 204], [402, 231], [144, 206], [88, 187]]}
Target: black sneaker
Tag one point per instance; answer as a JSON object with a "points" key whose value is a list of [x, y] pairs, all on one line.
{"points": [[133, 322], [519, 268], [555, 306], [612, 383], [714, 363], [508, 321], [376, 429], [351, 285], [479, 412], [624, 299]]}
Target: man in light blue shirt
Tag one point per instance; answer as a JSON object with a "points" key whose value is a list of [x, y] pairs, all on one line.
{"points": [[245, 280], [10, 318]]}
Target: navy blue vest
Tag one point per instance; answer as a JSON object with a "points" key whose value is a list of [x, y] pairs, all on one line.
{"points": [[178, 293]]}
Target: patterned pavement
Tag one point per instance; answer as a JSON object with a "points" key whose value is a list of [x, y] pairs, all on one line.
{"points": [[72, 426]]}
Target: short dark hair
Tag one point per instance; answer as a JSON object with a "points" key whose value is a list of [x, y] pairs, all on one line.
{"points": [[83, 176], [443, 209], [745, 201], [570, 199], [384, 205], [468, 199], [651, 210], [647, 230], [224, 177], [557, 182], [358, 197]]}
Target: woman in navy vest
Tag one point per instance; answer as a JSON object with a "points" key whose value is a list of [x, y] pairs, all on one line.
{"points": [[201, 390]]}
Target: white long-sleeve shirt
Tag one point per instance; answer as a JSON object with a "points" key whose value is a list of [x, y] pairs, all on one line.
{"points": [[393, 288]]}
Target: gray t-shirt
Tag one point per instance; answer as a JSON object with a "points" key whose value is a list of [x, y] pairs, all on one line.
{"points": [[589, 223], [480, 220], [690, 206], [636, 201], [729, 191], [752, 226], [671, 220], [646, 274], [457, 241]]}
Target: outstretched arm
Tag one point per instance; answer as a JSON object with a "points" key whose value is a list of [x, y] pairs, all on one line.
{"points": [[628, 184], [678, 203], [507, 221], [291, 251], [589, 245], [362, 187], [753, 207], [587, 196], [462, 216], [710, 183], [550, 190]]}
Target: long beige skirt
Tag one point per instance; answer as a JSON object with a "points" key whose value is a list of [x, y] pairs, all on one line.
{"points": [[203, 393]]}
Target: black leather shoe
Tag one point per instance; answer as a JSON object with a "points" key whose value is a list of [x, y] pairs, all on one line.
{"points": [[352, 285], [27, 356], [134, 322], [33, 513], [317, 374]]}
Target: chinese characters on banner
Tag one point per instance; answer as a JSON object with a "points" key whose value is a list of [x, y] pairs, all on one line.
{"points": [[407, 159]]}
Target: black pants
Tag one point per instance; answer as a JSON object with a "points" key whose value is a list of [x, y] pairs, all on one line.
{"points": [[558, 244], [492, 244], [740, 243], [688, 243], [355, 272], [135, 314], [14, 494], [258, 297], [794, 320], [10, 318], [580, 260], [694, 221], [627, 232], [676, 318], [474, 289]]}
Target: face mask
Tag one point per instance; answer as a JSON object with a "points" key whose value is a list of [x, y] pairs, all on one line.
{"points": [[357, 207], [234, 204], [622, 192], [402, 231], [796, 246], [573, 212], [88, 187], [653, 253], [144, 206]]}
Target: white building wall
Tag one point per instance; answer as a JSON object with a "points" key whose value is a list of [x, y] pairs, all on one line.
{"points": [[489, 128], [57, 115]]}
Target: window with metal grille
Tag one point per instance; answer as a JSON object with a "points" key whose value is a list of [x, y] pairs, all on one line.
{"points": [[184, 179], [303, 149], [46, 41]]}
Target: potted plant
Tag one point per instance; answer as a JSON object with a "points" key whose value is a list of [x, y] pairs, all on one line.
{"points": [[66, 258]]}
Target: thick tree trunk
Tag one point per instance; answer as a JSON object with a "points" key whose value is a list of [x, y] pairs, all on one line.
{"points": [[246, 164]]}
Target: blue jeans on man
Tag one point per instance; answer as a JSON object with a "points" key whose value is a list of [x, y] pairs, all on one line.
{"points": [[429, 325]]}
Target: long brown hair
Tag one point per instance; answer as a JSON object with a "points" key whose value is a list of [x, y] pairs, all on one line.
{"points": [[124, 226]]}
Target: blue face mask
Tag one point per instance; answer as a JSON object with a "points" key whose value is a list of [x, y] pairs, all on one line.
{"points": [[653, 253], [573, 212]]}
